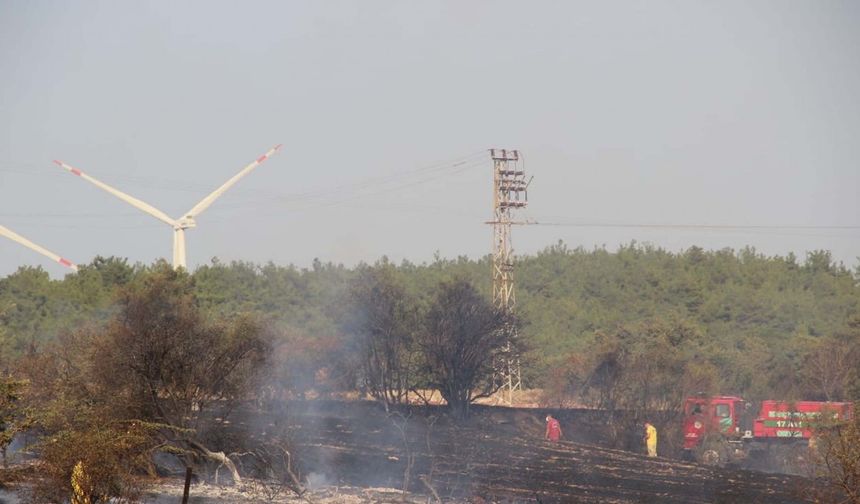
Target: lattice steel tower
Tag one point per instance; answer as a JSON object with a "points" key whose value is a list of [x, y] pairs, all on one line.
{"points": [[509, 194]]}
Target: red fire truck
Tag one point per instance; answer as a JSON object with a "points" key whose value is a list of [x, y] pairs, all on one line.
{"points": [[724, 429]]}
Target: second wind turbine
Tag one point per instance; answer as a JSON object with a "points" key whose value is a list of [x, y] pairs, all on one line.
{"points": [[188, 218]]}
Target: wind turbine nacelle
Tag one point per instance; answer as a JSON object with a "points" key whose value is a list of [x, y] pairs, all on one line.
{"points": [[186, 222], [179, 225]]}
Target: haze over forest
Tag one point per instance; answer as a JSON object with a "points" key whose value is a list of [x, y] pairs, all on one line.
{"points": [[751, 319]]}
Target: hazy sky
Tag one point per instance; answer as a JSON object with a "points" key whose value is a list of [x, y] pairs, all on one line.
{"points": [[658, 112]]}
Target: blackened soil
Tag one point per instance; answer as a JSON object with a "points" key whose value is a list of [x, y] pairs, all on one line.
{"points": [[498, 455]]}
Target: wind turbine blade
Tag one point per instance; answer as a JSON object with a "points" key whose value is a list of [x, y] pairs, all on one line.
{"points": [[8, 233], [131, 200], [208, 200]]}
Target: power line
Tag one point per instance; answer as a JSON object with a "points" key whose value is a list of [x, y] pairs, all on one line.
{"points": [[189, 186], [325, 197], [727, 227], [355, 191]]}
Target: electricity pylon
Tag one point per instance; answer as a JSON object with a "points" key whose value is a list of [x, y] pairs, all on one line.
{"points": [[510, 193]]}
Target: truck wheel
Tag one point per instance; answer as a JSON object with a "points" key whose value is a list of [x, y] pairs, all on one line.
{"points": [[713, 452]]}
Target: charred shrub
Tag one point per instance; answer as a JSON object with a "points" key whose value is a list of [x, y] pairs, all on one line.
{"points": [[156, 374], [100, 463], [563, 382], [836, 454], [162, 362], [13, 417]]}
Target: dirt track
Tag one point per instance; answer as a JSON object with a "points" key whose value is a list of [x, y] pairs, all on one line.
{"points": [[498, 456]]}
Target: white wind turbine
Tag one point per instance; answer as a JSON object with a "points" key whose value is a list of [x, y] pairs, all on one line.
{"points": [[188, 218], [15, 237]]}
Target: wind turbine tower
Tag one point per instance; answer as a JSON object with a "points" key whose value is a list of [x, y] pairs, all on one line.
{"points": [[188, 219]]}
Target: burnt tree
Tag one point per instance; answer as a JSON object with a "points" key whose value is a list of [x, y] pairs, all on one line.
{"points": [[383, 318], [463, 334]]}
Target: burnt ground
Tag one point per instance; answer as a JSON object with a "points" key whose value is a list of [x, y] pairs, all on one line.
{"points": [[498, 455]]}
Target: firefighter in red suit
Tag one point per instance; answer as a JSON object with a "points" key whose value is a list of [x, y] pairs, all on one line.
{"points": [[553, 429]]}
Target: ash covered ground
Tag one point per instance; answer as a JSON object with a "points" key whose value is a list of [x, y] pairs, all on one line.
{"points": [[355, 452], [498, 455]]}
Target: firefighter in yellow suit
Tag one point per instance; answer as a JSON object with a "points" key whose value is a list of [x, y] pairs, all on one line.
{"points": [[651, 439], [80, 485]]}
